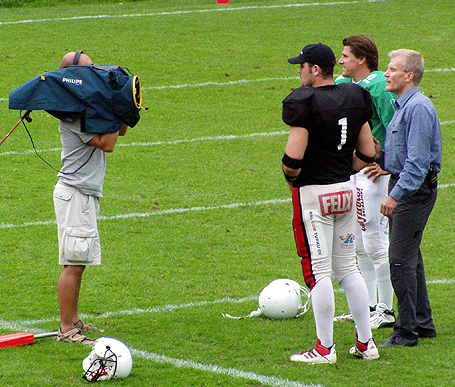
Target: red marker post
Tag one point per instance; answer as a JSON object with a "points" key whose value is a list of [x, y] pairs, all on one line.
{"points": [[222, 1]]}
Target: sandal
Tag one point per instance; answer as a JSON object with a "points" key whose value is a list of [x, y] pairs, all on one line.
{"points": [[73, 336], [87, 327]]}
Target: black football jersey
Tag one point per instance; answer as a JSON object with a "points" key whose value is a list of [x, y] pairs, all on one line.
{"points": [[333, 116]]}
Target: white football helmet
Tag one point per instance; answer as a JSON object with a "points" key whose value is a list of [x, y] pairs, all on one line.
{"points": [[110, 358], [282, 299]]}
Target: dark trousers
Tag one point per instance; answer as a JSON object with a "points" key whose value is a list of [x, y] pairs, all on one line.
{"points": [[407, 272]]}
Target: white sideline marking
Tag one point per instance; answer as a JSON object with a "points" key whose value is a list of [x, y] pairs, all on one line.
{"points": [[231, 372], [242, 81], [211, 138], [27, 325], [176, 142], [230, 9], [230, 83], [157, 213], [137, 215]]}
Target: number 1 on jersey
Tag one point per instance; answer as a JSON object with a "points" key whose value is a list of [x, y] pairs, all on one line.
{"points": [[344, 131]]}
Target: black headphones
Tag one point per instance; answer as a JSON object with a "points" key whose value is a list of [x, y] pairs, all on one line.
{"points": [[77, 56]]}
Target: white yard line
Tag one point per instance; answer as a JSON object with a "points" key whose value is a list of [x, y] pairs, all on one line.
{"points": [[215, 369], [28, 325], [171, 211], [200, 11], [242, 81], [176, 142]]}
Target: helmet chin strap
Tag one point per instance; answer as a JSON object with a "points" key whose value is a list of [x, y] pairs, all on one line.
{"points": [[254, 313]]}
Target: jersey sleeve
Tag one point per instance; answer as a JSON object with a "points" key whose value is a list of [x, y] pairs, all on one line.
{"points": [[297, 108]]}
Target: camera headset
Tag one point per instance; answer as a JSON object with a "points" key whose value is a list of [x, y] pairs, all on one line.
{"points": [[77, 56]]}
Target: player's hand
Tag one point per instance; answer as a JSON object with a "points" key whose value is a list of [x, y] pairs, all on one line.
{"points": [[377, 148], [373, 171], [388, 205]]}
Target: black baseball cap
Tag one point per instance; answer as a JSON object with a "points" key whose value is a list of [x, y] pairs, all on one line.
{"points": [[318, 54]]}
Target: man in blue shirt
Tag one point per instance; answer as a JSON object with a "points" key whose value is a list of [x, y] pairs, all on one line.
{"points": [[413, 153]]}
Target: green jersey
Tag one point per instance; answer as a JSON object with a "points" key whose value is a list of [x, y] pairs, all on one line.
{"points": [[383, 102]]}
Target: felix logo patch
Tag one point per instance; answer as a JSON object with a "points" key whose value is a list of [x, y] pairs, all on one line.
{"points": [[336, 202]]}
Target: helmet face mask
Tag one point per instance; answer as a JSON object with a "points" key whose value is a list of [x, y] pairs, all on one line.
{"points": [[101, 368], [110, 358]]}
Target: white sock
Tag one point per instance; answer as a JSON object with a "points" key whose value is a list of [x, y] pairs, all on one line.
{"points": [[369, 275], [357, 297], [323, 302], [385, 289]]}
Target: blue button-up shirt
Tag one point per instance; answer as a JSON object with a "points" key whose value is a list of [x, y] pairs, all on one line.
{"points": [[413, 142]]}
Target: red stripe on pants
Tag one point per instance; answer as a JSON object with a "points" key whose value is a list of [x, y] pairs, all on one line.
{"points": [[301, 240]]}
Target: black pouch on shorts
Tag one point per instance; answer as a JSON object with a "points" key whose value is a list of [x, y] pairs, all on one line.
{"points": [[432, 179]]}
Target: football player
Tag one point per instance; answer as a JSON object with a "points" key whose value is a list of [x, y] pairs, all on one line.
{"points": [[359, 61], [329, 137]]}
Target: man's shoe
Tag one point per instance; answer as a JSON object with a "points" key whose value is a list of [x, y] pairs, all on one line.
{"points": [[318, 355], [367, 351], [426, 333], [395, 341], [382, 317], [73, 336], [87, 327]]}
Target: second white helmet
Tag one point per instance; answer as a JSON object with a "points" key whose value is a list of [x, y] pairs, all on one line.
{"points": [[282, 299]]}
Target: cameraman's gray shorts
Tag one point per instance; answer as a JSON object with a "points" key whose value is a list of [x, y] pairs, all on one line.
{"points": [[78, 237]]}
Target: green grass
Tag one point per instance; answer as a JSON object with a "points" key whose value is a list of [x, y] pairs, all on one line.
{"points": [[198, 150]]}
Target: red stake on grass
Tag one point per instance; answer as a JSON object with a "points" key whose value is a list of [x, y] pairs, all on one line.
{"points": [[22, 338]]}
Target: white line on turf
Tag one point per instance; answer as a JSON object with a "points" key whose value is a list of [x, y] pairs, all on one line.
{"points": [[156, 213], [138, 215], [231, 372], [230, 83], [242, 81], [175, 142], [201, 11], [28, 325]]}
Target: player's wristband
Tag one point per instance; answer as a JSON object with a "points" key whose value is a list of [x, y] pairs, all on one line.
{"points": [[290, 178], [364, 158], [291, 163]]}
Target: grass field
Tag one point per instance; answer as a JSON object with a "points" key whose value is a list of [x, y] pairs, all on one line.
{"points": [[196, 217]]}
